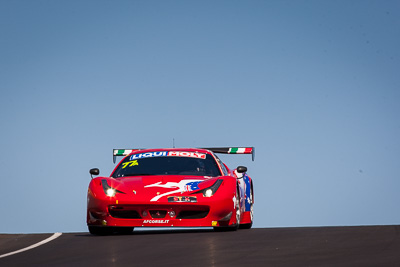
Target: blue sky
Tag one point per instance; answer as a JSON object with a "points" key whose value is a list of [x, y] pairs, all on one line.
{"points": [[313, 85]]}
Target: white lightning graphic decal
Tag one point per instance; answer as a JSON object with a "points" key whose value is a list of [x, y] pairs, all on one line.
{"points": [[180, 187]]}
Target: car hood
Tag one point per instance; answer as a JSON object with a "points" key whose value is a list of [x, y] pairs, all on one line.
{"points": [[154, 188]]}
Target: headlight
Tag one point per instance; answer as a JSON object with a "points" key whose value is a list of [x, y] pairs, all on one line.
{"points": [[108, 190], [210, 191]]}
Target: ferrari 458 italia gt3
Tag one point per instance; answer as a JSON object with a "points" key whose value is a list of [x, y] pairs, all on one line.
{"points": [[174, 187]]}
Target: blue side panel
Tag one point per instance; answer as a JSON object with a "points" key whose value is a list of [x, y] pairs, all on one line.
{"points": [[248, 188]]}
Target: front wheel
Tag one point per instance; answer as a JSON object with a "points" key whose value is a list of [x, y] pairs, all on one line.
{"points": [[107, 230], [248, 225], [100, 230], [123, 230]]}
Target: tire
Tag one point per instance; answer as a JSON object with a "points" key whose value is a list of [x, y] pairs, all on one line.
{"points": [[123, 230], [100, 230]]}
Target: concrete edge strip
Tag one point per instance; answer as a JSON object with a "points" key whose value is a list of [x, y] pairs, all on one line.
{"points": [[54, 236]]}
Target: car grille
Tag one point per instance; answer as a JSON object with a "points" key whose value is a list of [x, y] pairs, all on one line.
{"points": [[158, 213], [135, 211], [192, 214]]}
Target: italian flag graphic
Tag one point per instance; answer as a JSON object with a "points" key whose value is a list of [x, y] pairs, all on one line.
{"points": [[240, 150], [122, 152]]}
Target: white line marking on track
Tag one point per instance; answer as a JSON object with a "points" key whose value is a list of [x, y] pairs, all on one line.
{"points": [[54, 236]]}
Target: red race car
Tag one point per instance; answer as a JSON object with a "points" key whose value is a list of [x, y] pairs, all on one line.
{"points": [[173, 187]]}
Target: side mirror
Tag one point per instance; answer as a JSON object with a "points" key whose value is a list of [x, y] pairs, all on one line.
{"points": [[241, 169], [94, 171]]}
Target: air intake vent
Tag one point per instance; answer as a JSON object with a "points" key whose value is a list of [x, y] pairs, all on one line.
{"points": [[125, 214], [192, 214]]}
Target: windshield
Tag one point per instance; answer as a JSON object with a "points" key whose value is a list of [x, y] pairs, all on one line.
{"points": [[167, 163]]}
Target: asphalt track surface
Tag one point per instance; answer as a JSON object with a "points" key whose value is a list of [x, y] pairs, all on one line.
{"points": [[309, 246]]}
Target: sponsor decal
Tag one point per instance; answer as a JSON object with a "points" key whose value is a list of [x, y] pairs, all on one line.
{"points": [[155, 221], [182, 199], [149, 155], [186, 154], [168, 154]]}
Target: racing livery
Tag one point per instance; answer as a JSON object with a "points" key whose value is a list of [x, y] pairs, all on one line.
{"points": [[175, 187]]}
